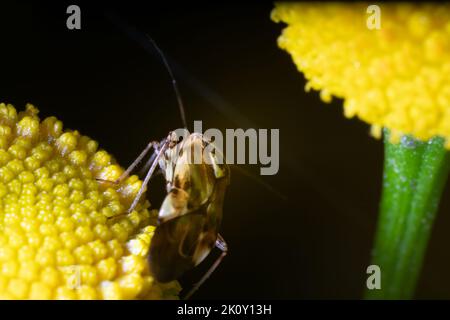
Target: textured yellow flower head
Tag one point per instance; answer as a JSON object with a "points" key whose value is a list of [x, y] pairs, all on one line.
{"points": [[57, 237], [397, 76]]}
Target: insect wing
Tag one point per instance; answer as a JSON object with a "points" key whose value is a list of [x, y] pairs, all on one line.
{"points": [[192, 184], [175, 243]]}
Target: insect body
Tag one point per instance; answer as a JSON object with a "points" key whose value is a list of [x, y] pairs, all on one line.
{"points": [[191, 213]]}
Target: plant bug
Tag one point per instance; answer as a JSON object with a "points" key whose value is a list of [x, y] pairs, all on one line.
{"points": [[191, 213]]}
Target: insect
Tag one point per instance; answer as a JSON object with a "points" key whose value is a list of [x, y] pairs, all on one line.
{"points": [[191, 213]]}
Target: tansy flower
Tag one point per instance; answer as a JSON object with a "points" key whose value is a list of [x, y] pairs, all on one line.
{"points": [[396, 77], [58, 235]]}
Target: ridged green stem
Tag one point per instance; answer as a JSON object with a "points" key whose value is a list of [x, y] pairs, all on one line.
{"points": [[414, 176]]}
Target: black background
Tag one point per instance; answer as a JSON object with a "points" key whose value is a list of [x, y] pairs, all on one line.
{"points": [[315, 244]]}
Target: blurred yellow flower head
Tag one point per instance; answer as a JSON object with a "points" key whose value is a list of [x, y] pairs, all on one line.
{"points": [[57, 237], [397, 76]]}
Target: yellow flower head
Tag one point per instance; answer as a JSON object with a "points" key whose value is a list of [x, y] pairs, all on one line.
{"points": [[397, 76], [57, 237]]}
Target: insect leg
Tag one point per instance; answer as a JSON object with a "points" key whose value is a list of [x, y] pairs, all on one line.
{"points": [[125, 174], [130, 168], [149, 162], [148, 176], [220, 244]]}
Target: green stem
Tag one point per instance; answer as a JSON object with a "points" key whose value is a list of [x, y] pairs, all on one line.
{"points": [[415, 173]]}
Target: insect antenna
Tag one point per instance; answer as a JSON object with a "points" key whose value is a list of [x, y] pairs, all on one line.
{"points": [[144, 39], [174, 81]]}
